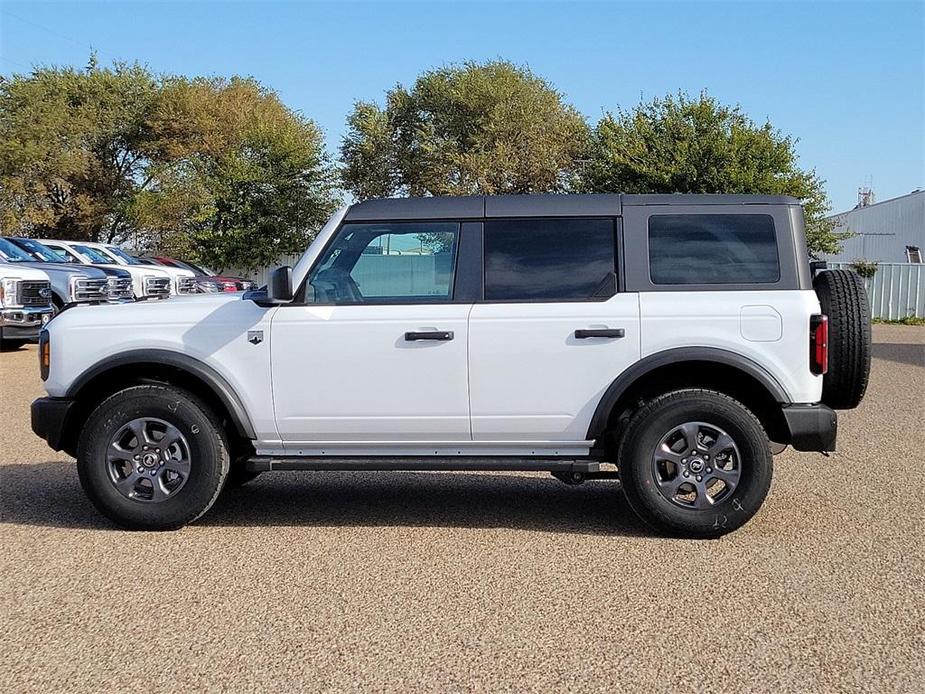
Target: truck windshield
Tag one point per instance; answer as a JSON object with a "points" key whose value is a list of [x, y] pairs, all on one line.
{"points": [[94, 255], [123, 256], [40, 251], [12, 253]]}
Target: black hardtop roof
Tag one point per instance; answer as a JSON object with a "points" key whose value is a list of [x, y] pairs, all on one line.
{"points": [[590, 205]]}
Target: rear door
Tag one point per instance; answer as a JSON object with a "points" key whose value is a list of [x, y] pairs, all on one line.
{"points": [[553, 330]]}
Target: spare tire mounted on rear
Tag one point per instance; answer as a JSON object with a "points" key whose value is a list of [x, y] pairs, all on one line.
{"points": [[844, 300]]}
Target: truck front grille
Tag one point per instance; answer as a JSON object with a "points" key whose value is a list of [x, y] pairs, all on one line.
{"points": [[35, 293], [186, 285], [120, 288], [87, 289], [157, 286]]}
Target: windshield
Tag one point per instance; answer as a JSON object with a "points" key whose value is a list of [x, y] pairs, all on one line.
{"points": [[40, 251], [12, 253], [185, 265], [94, 255], [122, 255], [67, 255]]}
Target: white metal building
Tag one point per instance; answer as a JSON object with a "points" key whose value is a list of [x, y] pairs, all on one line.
{"points": [[892, 231]]}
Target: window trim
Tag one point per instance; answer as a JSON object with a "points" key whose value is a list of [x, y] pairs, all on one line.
{"points": [[616, 236], [787, 230]]}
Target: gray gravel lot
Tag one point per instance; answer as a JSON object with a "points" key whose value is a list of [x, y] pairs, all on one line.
{"points": [[441, 581]]}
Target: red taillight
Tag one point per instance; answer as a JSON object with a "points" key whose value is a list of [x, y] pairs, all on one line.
{"points": [[819, 344]]}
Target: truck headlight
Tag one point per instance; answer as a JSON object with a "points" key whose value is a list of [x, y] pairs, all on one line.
{"points": [[72, 289], [9, 291]]}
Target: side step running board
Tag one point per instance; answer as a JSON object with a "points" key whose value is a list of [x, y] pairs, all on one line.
{"points": [[267, 463]]}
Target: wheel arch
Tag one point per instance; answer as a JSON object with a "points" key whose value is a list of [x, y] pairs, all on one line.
{"points": [[686, 367], [155, 365]]}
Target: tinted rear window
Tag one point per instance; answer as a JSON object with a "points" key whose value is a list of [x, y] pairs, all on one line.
{"points": [[713, 249], [548, 259]]}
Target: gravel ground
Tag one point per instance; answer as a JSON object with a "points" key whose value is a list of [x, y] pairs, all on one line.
{"points": [[440, 581]]}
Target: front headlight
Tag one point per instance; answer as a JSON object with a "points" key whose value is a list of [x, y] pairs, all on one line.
{"points": [[9, 291], [72, 288]]}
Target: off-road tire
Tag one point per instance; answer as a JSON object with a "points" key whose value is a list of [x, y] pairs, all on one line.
{"points": [[644, 431], [844, 300], [209, 456]]}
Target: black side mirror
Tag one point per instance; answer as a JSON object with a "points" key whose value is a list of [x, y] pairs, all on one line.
{"points": [[279, 288]]}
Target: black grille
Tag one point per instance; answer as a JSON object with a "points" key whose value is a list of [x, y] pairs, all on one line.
{"points": [[31, 292]]}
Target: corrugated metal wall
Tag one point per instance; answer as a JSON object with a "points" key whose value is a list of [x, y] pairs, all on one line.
{"points": [[897, 290], [883, 230]]}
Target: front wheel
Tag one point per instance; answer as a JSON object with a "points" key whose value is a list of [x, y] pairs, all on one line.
{"points": [[152, 457], [695, 463]]}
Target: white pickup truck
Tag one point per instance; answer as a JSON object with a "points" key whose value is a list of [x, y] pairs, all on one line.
{"points": [[664, 339], [25, 303]]}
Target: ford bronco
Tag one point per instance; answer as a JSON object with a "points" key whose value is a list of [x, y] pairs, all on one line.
{"points": [[672, 341]]}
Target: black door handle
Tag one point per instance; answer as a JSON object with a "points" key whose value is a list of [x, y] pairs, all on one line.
{"points": [[608, 332], [429, 335]]}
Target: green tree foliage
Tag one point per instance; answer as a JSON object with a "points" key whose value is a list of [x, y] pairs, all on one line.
{"points": [[216, 170], [677, 144], [487, 128]]}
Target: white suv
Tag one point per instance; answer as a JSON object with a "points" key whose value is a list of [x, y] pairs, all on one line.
{"points": [[673, 337]]}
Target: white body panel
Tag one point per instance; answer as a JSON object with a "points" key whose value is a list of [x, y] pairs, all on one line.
{"points": [[740, 322], [531, 379], [346, 373], [210, 328]]}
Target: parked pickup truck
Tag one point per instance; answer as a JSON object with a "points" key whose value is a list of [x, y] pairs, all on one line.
{"points": [[70, 283], [147, 283], [119, 281], [25, 303], [672, 341]]}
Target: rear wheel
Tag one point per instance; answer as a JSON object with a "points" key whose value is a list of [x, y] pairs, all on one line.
{"points": [[844, 300], [152, 457], [695, 463]]}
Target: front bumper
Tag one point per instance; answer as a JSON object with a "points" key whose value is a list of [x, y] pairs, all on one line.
{"points": [[49, 419], [23, 323], [812, 427]]}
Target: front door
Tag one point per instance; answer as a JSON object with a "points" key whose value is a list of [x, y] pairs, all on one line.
{"points": [[377, 351]]}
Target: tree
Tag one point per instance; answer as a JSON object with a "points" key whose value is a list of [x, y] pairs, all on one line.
{"points": [[74, 150], [251, 177], [215, 170], [486, 128], [681, 145]]}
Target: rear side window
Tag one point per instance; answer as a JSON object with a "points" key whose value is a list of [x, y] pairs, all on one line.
{"points": [[713, 249], [549, 259]]}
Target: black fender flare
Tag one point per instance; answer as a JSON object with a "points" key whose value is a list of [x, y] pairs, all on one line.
{"points": [[165, 357], [673, 356]]}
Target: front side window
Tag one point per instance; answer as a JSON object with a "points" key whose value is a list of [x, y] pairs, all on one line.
{"points": [[713, 249], [549, 259], [390, 262]]}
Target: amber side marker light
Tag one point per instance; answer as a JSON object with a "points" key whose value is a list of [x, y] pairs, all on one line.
{"points": [[44, 354]]}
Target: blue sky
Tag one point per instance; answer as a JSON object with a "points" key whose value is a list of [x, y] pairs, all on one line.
{"points": [[847, 79]]}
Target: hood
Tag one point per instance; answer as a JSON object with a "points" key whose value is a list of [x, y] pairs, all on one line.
{"points": [[112, 271], [68, 269]]}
